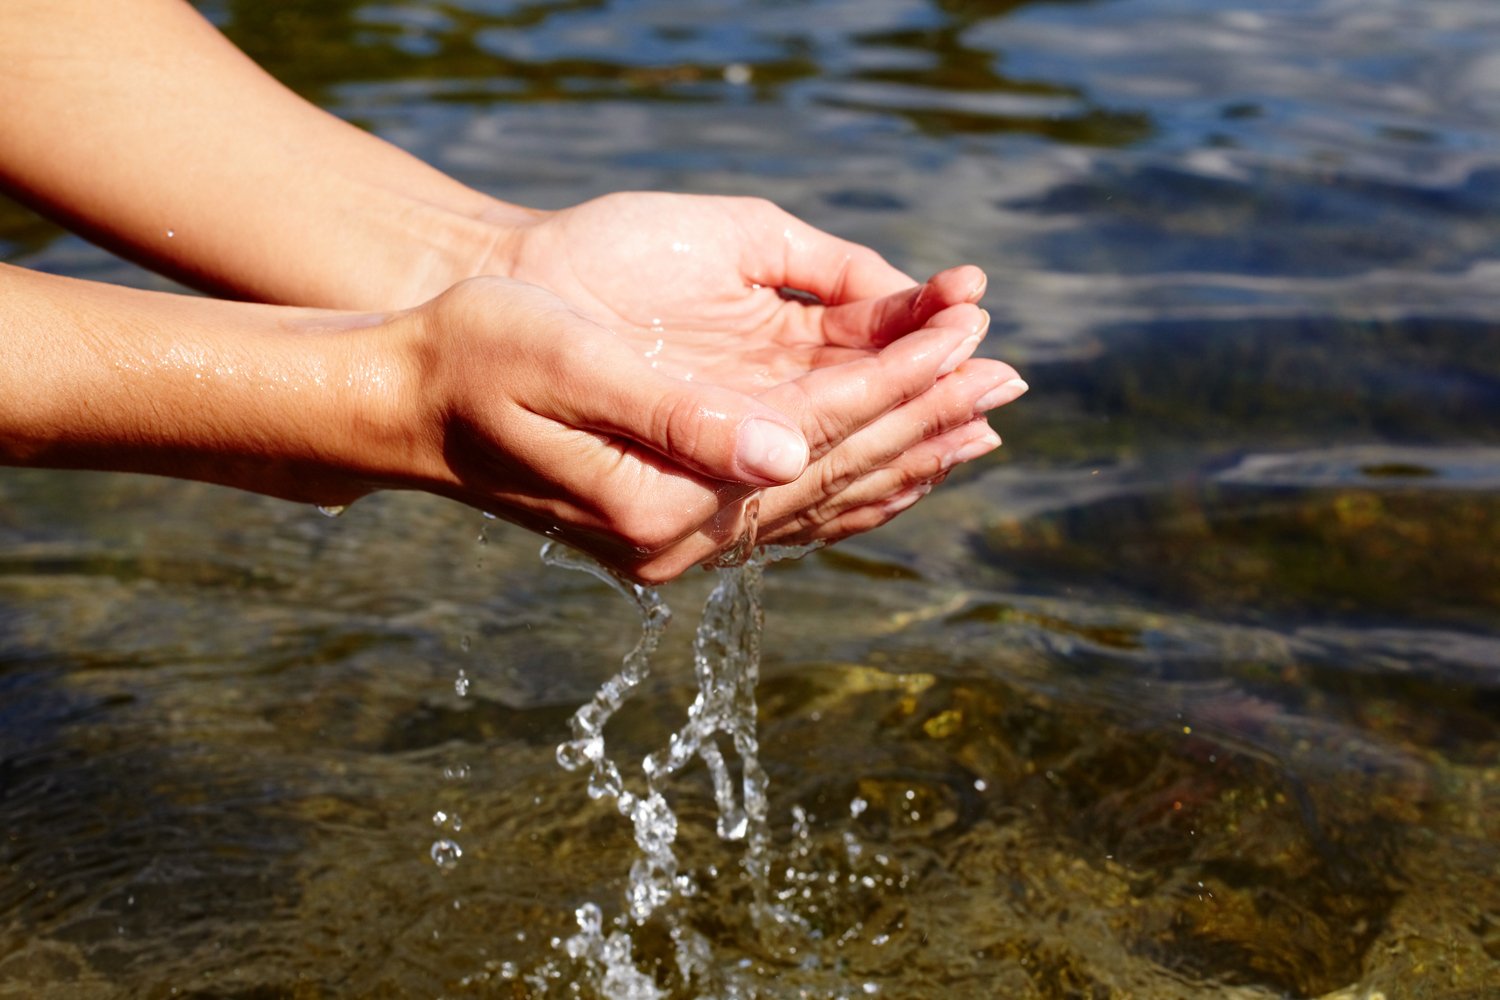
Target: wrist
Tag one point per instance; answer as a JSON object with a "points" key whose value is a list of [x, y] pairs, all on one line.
{"points": [[445, 245], [386, 426]]}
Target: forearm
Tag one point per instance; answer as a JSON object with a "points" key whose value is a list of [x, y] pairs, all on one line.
{"points": [[289, 402], [139, 124]]}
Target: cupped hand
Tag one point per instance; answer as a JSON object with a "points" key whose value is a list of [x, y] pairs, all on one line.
{"points": [[541, 416], [737, 292], [733, 291], [882, 466]]}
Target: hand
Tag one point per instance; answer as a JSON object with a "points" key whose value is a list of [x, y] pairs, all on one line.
{"points": [[539, 415], [697, 283]]}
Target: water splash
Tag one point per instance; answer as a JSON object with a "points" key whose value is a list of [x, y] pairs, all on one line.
{"points": [[611, 957], [586, 748], [726, 665]]}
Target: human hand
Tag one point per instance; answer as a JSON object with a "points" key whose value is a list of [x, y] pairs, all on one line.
{"points": [[538, 415], [696, 283]]}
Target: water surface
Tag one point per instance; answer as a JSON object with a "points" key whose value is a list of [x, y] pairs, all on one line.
{"points": [[1189, 691]]}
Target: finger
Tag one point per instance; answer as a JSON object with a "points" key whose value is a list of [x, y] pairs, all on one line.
{"points": [[869, 501], [796, 513], [882, 494], [900, 483], [877, 322], [707, 429], [902, 439], [831, 403], [956, 400], [787, 252]]}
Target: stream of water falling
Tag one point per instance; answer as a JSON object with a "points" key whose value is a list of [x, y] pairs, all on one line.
{"points": [[726, 665]]}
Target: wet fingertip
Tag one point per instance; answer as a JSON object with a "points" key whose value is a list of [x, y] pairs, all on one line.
{"points": [[959, 354], [961, 285], [901, 501], [978, 282], [1001, 394], [977, 447]]}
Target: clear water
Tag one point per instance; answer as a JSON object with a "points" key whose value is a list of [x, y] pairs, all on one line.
{"points": [[1190, 691]]}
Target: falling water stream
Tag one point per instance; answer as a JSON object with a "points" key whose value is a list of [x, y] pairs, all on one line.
{"points": [[726, 664]]}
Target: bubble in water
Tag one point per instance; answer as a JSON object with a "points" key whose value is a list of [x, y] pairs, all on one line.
{"points": [[456, 772], [461, 685], [448, 820], [445, 853]]}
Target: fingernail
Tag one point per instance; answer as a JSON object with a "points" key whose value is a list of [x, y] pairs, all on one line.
{"points": [[977, 292], [974, 449], [961, 353], [905, 499], [1000, 395], [771, 451]]}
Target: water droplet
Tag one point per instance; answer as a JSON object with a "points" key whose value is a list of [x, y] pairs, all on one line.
{"points": [[331, 510], [171, 233], [445, 853]]}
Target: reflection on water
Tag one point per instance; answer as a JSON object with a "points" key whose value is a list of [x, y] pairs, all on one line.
{"points": [[1191, 691]]}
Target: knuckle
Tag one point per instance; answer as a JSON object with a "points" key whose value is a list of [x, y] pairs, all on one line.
{"points": [[656, 572], [827, 428], [648, 530], [675, 424], [923, 468], [834, 476]]}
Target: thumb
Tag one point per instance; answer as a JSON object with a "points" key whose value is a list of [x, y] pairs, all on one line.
{"points": [[711, 430]]}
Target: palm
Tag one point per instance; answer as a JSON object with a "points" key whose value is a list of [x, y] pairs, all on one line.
{"points": [[695, 283]]}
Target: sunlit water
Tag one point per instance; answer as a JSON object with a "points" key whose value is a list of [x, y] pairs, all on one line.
{"points": [[1189, 691]]}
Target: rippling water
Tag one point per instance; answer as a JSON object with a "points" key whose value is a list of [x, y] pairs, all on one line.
{"points": [[1191, 691]]}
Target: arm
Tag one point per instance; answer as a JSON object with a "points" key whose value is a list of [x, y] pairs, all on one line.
{"points": [[259, 397], [139, 124], [496, 394]]}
